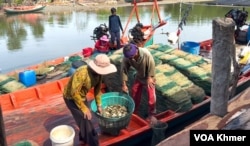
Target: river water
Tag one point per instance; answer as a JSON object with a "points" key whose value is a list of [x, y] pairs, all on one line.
{"points": [[28, 39]]}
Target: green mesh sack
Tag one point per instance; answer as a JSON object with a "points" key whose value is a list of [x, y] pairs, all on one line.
{"points": [[168, 57], [179, 96], [197, 72], [181, 107], [42, 70], [166, 69], [153, 51], [197, 94], [205, 83], [5, 79], [157, 61], [158, 54], [116, 58], [75, 58], [195, 59], [63, 66], [171, 91], [117, 52], [180, 80], [207, 67], [12, 86], [165, 48], [154, 46], [181, 63], [179, 53], [163, 83]]}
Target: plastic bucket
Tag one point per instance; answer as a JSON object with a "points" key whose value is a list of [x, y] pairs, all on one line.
{"points": [[86, 52], [28, 78], [62, 135], [191, 47], [159, 132]]}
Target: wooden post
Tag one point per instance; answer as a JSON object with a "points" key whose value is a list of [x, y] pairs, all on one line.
{"points": [[223, 43], [2, 130]]}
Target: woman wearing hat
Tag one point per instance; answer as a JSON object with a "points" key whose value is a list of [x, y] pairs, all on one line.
{"points": [[102, 45], [143, 62], [83, 79]]}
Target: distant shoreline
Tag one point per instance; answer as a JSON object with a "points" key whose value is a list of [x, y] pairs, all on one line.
{"points": [[93, 6]]}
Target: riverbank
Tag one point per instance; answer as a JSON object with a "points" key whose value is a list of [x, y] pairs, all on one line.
{"points": [[88, 5], [94, 6]]}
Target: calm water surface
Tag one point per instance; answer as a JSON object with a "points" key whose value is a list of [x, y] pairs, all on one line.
{"points": [[28, 39]]}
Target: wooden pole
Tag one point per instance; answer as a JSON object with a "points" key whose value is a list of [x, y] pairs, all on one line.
{"points": [[2, 130], [223, 43]]}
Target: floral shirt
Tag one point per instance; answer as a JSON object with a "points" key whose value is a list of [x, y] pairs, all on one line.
{"points": [[79, 85]]}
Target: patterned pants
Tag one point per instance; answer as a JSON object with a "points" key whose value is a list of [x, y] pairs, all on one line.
{"points": [[87, 131]]}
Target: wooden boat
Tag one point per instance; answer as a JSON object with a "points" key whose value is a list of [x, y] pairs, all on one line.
{"points": [[213, 122], [30, 114], [23, 9]]}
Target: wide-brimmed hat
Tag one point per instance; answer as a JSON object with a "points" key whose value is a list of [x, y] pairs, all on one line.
{"points": [[101, 65], [104, 38]]}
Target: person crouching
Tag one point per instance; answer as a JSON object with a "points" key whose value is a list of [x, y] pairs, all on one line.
{"points": [[102, 45]]}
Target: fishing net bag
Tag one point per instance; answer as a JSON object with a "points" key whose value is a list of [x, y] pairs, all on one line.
{"points": [[181, 64], [165, 48], [179, 53], [195, 59], [9, 84], [197, 94], [165, 69], [166, 58], [181, 80], [177, 99]]}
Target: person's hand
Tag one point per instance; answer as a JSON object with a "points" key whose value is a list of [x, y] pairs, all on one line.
{"points": [[99, 109], [125, 88], [151, 82], [87, 115]]}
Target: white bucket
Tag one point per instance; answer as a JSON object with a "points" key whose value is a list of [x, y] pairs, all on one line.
{"points": [[62, 135]]}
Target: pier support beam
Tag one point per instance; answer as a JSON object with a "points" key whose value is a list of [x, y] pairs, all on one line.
{"points": [[223, 44]]}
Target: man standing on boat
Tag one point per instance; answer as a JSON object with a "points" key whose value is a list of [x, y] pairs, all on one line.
{"points": [[75, 93], [143, 62], [114, 28]]}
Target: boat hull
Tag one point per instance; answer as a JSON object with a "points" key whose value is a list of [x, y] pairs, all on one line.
{"points": [[23, 9], [35, 111]]}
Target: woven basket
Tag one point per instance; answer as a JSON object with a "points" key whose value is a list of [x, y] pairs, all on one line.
{"points": [[114, 125]]}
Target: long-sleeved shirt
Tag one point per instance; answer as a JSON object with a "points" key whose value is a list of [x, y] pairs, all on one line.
{"points": [[79, 85], [115, 23], [102, 46], [145, 66]]}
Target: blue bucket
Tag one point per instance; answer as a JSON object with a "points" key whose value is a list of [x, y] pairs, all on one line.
{"points": [[191, 47]]}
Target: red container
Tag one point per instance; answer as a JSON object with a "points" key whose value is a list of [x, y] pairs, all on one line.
{"points": [[86, 52], [206, 45]]}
